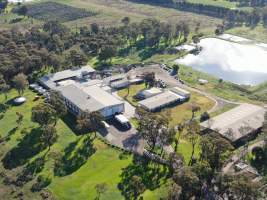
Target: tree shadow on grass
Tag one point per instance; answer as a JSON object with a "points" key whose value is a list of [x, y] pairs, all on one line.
{"points": [[30, 171], [152, 175], [29, 146], [75, 155], [70, 120]]}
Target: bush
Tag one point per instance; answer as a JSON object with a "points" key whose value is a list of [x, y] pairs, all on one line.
{"points": [[42, 182], [204, 116]]}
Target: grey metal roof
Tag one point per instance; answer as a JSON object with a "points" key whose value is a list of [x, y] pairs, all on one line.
{"points": [[91, 98], [80, 98], [114, 78], [160, 100], [51, 79], [238, 122]]}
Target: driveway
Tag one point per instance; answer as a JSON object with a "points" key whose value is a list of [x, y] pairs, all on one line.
{"points": [[129, 109], [123, 138], [172, 82]]}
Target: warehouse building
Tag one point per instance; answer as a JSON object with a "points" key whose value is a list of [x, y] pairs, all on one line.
{"points": [[81, 93], [237, 125], [93, 98], [181, 92], [162, 100], [51, 81], [120, 84]]}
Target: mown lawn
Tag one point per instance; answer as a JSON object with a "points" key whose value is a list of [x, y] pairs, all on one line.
{"points": [[104, 166]]}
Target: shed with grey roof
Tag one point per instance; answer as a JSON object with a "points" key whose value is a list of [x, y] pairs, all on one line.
{"points": [[238, 124], [181, 92], [161, 100]]}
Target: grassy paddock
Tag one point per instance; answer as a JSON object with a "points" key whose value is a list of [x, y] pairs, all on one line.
{"points": [[226, 90], [105, 165]]}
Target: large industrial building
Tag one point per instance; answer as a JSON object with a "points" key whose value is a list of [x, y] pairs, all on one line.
{"points": [[81, 93], [237, 125]]}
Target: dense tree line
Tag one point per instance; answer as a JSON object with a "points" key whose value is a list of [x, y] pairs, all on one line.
{"points": [[3, 5], [54, 46]]}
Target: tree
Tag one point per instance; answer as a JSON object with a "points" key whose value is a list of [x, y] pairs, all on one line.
{"points": [[126, 21], [175, 69], [3, 5], [194, 108], [56, 100], [100, 188], [49, 135], [149, 79], [22, 10], [189, 182], [237, 187], [151, 127], [20, 83], [3, 86], [128, 86], [107, 52], [90, 121], [174, 192], [180, 132], [137, 186], [196, 39], [55, 28], [95, 28], [176, 162], [204, 116], [44, 114], [77, 58], [19, 119], [193, 131], [214, 150]]}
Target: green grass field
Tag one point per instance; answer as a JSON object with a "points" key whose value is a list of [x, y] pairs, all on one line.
{"points": [[112, 12], [225, 90], [104, 166]]}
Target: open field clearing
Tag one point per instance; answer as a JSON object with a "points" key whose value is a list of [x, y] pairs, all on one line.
{"points": [[111, 12], [50, 10]]}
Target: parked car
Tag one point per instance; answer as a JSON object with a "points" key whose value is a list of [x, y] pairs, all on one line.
{"points": [[123, 121], [33, 86]]}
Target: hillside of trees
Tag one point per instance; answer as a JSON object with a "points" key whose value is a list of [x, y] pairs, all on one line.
{"points": [[53, 46]]}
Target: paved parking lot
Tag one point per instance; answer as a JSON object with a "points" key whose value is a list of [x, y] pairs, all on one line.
{"points": [[127, 139]]}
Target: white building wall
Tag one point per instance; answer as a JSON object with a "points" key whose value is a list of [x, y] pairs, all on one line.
{"points": [[110, 111]]}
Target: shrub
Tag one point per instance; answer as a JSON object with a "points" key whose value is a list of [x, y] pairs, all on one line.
{"points": [[42, 182]]}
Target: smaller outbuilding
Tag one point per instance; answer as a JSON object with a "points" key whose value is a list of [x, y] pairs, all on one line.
{"points": [[161, 100], [120, 84], [181, 92], [147, 93]]}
